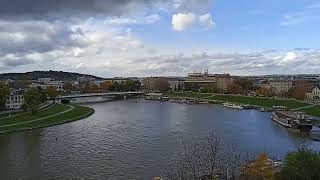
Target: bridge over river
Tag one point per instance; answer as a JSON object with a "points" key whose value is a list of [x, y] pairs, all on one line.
{"points": [[123, 95]]}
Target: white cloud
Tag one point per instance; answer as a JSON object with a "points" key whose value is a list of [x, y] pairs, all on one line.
{"points": [[150, 19], [290, 56], [182, 21], [206, 20]]}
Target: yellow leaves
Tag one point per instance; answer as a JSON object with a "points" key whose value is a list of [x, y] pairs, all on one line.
{"points": [[260, 168]]}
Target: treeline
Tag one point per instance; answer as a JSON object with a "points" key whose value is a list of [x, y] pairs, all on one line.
{"points": [[58, 75], [211, 159], [121, 86]]}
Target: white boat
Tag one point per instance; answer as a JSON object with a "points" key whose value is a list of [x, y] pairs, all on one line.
{"points": [[232, 105]]}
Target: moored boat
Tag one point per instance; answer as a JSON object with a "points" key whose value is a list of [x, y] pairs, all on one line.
{"points": [[290, 119], [232, 105]]}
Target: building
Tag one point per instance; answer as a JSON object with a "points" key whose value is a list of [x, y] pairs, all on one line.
{"points": [[265, 85], [197, 81], [176, 84], [303, 85], [119, 80], [223, 81], [280, 87], [15, 99], [155, 84], [44, 83], [314, 95]]}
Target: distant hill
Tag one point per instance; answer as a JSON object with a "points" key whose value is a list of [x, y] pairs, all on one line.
{"points": [[57, 75]]}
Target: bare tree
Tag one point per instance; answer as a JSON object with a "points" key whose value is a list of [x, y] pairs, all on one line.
{"points": [[206, 159]]}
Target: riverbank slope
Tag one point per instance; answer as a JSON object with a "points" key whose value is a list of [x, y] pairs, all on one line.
{"points": [[54, 115], [256, 101]]}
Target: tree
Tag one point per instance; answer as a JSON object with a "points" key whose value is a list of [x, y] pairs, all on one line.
{"points": [[195, 87], [244, 83], [67, 86], [260, 168], [51, 92], [162, 85], [262, 91], [104, 86], [43, 95], [32, 99], [91, 87], [4, 93], [234, 89], [301, 165], [207, 158], [209, 88]]}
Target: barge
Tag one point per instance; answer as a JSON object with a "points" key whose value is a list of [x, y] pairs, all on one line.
{"points": [[291, 119]]}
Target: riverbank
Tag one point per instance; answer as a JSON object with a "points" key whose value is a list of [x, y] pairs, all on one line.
{"points": [[261, 102], [54, 115]]}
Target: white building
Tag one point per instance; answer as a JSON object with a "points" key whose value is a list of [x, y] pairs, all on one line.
{"points": [[280, 87], [15, 100], [315, 95], [44, 83]]}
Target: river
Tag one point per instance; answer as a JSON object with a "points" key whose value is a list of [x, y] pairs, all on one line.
{"points": [[136, 139]]}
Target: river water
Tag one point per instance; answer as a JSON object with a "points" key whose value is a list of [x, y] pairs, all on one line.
{"points": [[136, 139]]}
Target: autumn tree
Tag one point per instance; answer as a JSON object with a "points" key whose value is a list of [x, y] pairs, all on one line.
{"points": [[259, 169], [301, 165], [32, 99], [51, 92], [104, 86], [262, 91], [91, 87], [244, 83], [4, 93], [234, 89]]}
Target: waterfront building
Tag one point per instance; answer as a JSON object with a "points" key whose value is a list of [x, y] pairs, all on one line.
{"points": [[15, 99], [314, 95]]}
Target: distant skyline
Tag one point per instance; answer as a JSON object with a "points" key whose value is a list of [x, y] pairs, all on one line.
{"points": [[160, 37]]}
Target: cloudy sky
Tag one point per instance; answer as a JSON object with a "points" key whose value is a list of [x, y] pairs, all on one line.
{"points": [[160, 37]]}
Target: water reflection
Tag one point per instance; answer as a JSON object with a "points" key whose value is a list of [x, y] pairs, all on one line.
{"points": [[136, 140]]}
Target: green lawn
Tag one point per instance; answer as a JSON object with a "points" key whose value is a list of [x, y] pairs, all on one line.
{"points": [[22, 117], [189, 94], [313, 111], [25, 121], [263, 102]]}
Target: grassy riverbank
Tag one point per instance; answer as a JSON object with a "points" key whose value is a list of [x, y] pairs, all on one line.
{"points": [[257, 101], [313, 111], [189, 94], [57, 114]]}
